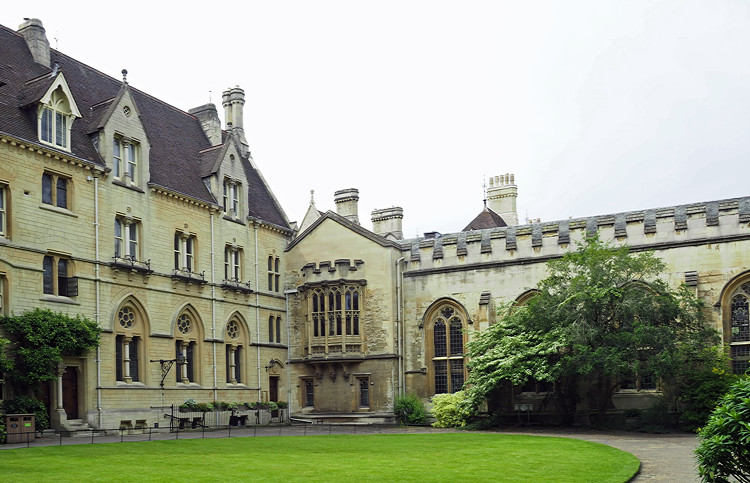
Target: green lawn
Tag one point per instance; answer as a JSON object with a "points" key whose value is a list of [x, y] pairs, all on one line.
{"points": [[439, 457]]}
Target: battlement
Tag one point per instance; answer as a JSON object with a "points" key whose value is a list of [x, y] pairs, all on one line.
{"points": [[336, 271], [660, 228]]}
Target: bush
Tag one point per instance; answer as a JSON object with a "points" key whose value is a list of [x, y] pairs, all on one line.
{"points": [[409, 410], [724, 450], [452, 410], [28, 405], [701, 394], [2, 432]]}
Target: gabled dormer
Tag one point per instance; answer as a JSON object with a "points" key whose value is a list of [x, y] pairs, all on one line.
{"points": [[56, 111], [224, 174], [122, 140]]}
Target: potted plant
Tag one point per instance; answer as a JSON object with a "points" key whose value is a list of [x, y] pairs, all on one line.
{"points": [[188, 405], [203, 407]]}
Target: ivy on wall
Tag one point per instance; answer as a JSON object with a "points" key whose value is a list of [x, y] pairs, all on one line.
{"points": [[38, 341]]}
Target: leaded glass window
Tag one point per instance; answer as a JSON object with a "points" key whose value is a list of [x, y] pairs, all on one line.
{"points": [[447, 333]]}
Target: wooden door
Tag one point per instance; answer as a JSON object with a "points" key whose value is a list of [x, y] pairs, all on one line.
{"points": [[70, 392], [273, 393]]}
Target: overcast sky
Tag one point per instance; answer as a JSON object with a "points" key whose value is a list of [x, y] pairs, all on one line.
{"points": [[596, 106]]}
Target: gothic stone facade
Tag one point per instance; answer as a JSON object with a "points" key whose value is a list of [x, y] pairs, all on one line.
{"points": [[157, 224]]}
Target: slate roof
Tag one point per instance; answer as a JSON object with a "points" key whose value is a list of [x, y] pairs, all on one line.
{"points": [[486, 219], [177, 138]]}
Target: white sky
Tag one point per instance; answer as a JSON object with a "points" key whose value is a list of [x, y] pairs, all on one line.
{"points": [[596, 106]]}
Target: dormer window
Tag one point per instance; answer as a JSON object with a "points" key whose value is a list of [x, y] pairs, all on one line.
{"points": [[125, 159], [56, 112], [232, 197]]}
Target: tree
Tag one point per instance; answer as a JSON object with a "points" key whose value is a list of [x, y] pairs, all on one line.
{"points": [[39, 339], [724, 449], [601, 314]]}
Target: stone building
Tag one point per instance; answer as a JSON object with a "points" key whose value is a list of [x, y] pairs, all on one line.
{"points": [[152, 221], [157, 224]]}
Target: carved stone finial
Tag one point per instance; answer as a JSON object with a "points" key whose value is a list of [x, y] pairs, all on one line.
{"points": [[124, 76]]}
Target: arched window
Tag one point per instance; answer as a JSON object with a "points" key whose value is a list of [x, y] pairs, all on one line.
{"points": [[187, 336], [56, 118], [739, 328], [129, 328], [236, 342], [446, 338]]}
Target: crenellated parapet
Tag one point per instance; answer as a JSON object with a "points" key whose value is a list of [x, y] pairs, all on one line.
{"points": [[337, 271], [660, 228]]}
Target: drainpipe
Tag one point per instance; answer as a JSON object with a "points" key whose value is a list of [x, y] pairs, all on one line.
{"points": [[288, 352], [257, 305], [399, 326], [213, 303], [97, 315]]}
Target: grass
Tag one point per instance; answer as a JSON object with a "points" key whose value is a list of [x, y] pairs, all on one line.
{"points": [[387, 457]]}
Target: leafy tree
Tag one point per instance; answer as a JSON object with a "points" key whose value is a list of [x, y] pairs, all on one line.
{"points": [[724, 450], [39, 340], [601, 313], [696, 387]]}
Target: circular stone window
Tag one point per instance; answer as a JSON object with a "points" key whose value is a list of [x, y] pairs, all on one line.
{"points": [[126, 110], [183, 324], [126, 316]]}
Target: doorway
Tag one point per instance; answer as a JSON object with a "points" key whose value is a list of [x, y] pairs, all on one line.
{"points": [[70, 392], [273, 393]]}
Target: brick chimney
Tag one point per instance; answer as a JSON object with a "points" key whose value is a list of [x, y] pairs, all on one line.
{"points": [[35, 36], [346, 204]]}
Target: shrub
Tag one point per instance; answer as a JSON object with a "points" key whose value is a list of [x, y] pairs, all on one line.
{"points": [[28, 405], [2, 432], [409, 410], [724, 450], [702, 392], [452, 410]]}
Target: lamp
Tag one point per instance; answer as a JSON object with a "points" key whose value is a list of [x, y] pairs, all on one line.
{"points": [[271, 363]]}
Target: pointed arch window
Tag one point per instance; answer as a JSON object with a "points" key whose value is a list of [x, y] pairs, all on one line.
{"points": [[128, 345], [186, 348], [56, 113], [739, 329], [446, 336]]}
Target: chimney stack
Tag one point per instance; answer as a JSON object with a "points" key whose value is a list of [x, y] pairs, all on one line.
{"points": [[209, 119], [346, 204], [501, 197], [233, 101], [36, 38], [387, 223]]}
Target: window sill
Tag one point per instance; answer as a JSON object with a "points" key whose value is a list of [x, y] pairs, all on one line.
{"points": [[234, 219], [56, 209], [58, 299], [133, 187], [190, 384], [134, 384]]}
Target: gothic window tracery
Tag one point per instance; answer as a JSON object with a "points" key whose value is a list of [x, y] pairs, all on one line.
{"points": [[334, 315], [739, 328], [446, 341]]}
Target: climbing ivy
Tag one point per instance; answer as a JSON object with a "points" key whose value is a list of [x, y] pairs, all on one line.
{"points": [[39, 338]]}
